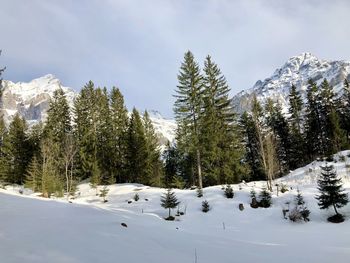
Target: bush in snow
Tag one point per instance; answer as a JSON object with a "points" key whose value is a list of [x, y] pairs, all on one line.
{"points": [[300, 212], [284, 188], [103, 193], [295, 215], [136, 197], [205, 206], [199, 192], [228, 191], [265, 198], [169, 201]]}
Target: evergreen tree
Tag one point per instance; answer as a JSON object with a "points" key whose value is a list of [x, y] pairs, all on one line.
{"points": [[229, 191], [34, 175], [15, 155], [344, 109], [331, 192], [169, 201], [332, 136], [171, 164], [205, 206], [313, 123], [58, 122], [265, 198], [187, 108], [104, 136], [252, 148], [137, 156], [154, 164], [119, 125], [86, 131], [219, 136]]}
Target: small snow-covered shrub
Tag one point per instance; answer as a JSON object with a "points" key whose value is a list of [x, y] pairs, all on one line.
{"points": [[136, 197], [252, 193], [229, 191], [199, 192], [295, 215], [284, 188], [341, 158], [265, 198], [205, 206]]}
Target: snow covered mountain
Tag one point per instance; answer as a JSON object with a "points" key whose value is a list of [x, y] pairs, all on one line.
{"points": [[297, 70], [32, 99]]}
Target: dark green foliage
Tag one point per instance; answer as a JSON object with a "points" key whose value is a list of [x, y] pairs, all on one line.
{"points": [[34, 175], [136, 197], [15, 152], [228, 191], [137, 155], [171, 159], [252, 193], [169, 200], [103, 193], [205, 206], [331, 192], [119, 126], [265, 198], [188, 108], [199, 192]]}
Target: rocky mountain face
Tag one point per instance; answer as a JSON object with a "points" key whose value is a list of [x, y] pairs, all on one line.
{"points": [[31, 100], [297, 70]]}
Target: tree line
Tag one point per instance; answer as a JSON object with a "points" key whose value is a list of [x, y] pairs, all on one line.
{"points": [[99, 140]]}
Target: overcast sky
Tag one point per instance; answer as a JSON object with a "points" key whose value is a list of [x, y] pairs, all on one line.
{"points": [[138, 45]]}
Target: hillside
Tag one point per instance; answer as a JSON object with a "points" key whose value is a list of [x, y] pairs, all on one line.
{"points": [[88, 230], [297, 70]]}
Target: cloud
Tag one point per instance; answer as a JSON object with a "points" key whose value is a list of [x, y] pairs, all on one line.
{"points": [[139, 45]]}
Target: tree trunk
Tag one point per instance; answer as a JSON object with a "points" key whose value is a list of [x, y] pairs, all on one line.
{"points": [[169, 212], [199, 167], [335, 209]]}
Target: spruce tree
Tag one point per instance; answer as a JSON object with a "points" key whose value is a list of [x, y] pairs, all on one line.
{"points": [[119, 125], [264, 198], [344, 109], [219, 136], [171, 164], [205, 206], [331, 192], [15, 152], [137, 156], [313, 123], [34, 175], [154, 165], [187, 109], [169, 201]]}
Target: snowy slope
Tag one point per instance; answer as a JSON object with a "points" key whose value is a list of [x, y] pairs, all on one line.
{"points": [[32, 99], [33, 229], [297, 70]]}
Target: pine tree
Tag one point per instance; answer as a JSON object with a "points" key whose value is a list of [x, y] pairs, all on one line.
{"points": [[264, 198], [331, 192], [219, 136], [344, 109], [58, 122], [154, 165], [15, 155], [34, 175], [171, 164], [119, 125], [85, 129], [137, 156], [228, 191], [104, 136], [187, 109], [205, 206], [103, 193], [252, 148], [1, 87], [313, 123], [169, 201]]}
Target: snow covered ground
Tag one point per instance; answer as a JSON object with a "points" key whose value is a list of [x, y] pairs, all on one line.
{"points": [[33, 229]]}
